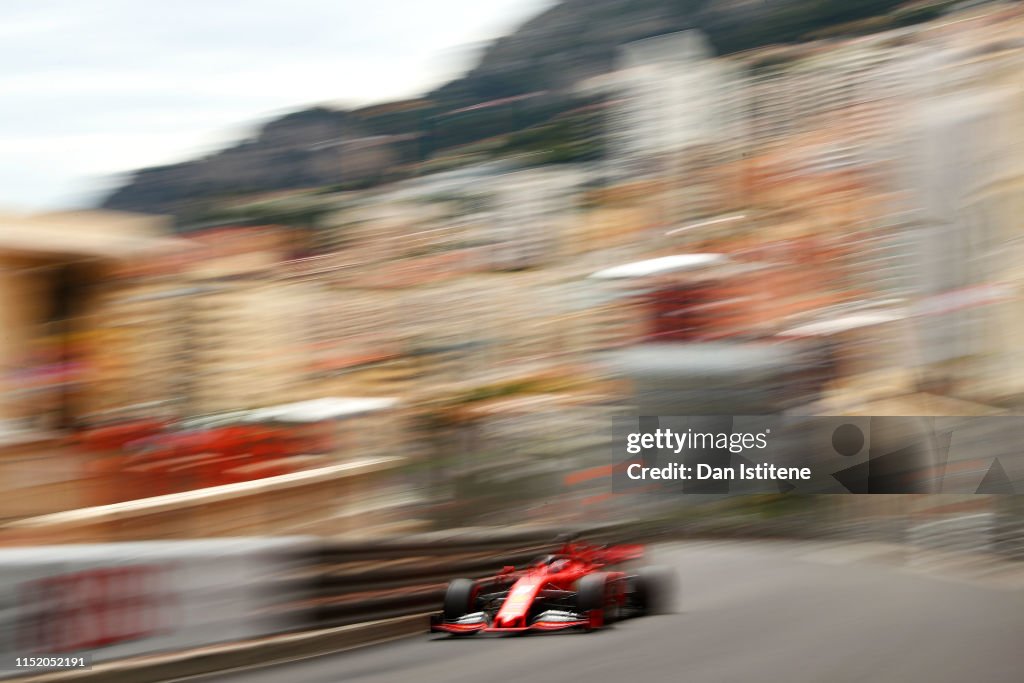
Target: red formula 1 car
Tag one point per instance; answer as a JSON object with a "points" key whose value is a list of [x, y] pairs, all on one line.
{"points": [[577, 587]]}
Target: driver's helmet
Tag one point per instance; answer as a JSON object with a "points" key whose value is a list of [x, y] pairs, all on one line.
{"points": [[558, 565], [553, 562]]}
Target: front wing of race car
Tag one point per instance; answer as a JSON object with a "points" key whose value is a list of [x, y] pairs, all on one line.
{"points": [[551, 620]]}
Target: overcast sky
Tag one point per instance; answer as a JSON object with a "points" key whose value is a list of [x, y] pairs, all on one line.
{"points": [[93, 88]]}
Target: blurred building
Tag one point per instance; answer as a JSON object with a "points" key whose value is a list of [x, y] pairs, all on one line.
{"points": [[56, 277], [964, 173], [675, 95], [215, 332], [528, 215], [679, 113], [58, 272]]}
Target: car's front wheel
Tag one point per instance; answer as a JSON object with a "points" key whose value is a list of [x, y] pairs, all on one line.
{"points": [[597, 592], [459, 598]]}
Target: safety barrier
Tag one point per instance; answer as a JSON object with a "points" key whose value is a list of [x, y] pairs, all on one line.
{"points": [[111, 601], [993, 533], [1008, 538], [963, 533]]}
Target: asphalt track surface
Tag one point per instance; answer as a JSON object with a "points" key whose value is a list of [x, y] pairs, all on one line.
{"points": [[747, 612]]}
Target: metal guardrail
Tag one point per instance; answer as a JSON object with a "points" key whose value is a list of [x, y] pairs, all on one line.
{"points": [[964, 533], [990, 533], [1008, 537], [350, 582]]}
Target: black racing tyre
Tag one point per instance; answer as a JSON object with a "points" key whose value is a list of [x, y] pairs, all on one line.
{"points": [[459, 598], [654, 590], [593, 592]]}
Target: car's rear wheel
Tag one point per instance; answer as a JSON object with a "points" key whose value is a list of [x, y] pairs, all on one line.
{"points": [[654, 590], [597, 592], [459, 598]]}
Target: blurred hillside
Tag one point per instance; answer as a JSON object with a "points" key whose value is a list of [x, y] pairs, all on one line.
{"points": [[525, 81]]}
